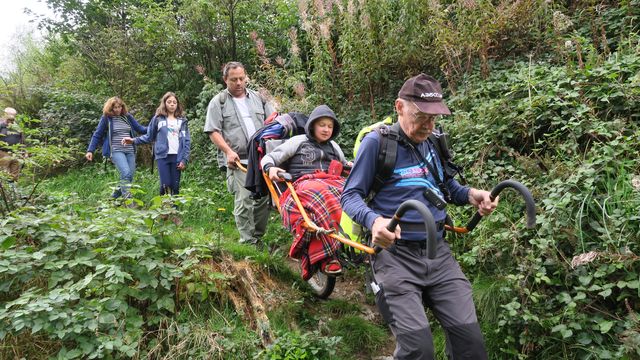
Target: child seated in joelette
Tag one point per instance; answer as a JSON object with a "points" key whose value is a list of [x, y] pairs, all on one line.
{"points": [[315, 162]]}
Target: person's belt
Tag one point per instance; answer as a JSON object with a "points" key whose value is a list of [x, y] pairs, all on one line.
{"points": [[419, 227], [413, 244], [416, 227]]}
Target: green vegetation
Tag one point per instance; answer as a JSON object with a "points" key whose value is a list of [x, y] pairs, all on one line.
{"points": [[544, 92], [75, 264]]}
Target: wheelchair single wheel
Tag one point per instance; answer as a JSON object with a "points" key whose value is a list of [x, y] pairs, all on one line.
{"points": [[322, 284]]}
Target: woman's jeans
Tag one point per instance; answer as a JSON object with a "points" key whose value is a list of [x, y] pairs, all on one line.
{"points": [[169, 175], [126, 165]]}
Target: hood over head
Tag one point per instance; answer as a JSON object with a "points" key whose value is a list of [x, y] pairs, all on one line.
{"points": [[320, 112]]}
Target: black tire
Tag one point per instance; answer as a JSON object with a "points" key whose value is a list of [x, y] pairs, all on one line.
{"points": [[322, 284]]}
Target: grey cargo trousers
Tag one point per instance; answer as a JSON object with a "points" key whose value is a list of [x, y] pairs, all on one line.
{"points": [[251, 215], [408, 281]]}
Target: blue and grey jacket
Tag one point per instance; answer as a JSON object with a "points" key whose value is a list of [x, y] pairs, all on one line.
{"points": [[158, 132], [303, 154], [104, 129], [409, 180]]}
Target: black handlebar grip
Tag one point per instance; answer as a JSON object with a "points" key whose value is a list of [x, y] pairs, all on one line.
{"points": [[474, 221], [526, 195], [429, 223], [285, 176]]}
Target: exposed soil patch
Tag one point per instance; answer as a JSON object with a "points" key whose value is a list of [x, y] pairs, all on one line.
{"points": [[253, 292], [351, 287]]}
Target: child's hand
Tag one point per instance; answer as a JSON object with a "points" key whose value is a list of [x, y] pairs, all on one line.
{"points": [[273, 173], [127, 141]]}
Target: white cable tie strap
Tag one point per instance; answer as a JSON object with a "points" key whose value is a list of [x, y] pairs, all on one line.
{"points": [[324, 231], [374, 287]]}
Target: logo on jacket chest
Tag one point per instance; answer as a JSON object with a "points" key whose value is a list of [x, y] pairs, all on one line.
{"points": [[415, 171], [308, 154]]}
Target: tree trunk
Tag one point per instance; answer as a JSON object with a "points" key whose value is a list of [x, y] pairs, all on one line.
{"points": [[246, 283]]}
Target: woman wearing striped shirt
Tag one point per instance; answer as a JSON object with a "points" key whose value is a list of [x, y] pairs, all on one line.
{"points": [[115, 124]]}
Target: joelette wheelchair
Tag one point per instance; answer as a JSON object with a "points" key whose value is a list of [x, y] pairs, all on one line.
{"points": [[356, 252]]}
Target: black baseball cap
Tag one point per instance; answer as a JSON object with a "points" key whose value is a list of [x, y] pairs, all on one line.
{"points": [[426, 92]]}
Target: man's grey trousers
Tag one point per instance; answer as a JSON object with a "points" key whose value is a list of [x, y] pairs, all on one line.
{"points": [[408, 281]]}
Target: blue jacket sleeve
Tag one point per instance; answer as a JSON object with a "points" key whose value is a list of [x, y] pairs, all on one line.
{"points": [[140, 129], [98, 135], [459, 193], [186, 146], [360, 181], [151, 133]]}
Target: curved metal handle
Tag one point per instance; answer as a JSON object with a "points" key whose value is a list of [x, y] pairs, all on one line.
{"points": [[240, 166], [526, 195], [429, 224]]}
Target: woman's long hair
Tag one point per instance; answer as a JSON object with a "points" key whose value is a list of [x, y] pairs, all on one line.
{"points": [[162, 109], [107, 109]]}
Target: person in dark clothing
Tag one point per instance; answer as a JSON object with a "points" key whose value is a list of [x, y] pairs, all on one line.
{"points": [[115, 124], [281, 126], [10, 135], [304, 154], [315, 161], [407, 279]]}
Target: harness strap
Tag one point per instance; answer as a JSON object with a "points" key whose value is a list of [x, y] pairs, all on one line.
{"points": [[387, 154]]}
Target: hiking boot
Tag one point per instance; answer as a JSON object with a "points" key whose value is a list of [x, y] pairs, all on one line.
{"points": [[257, 242], [116, 193], [248, 241]]}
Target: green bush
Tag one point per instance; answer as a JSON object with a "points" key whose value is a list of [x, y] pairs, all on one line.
{"points": [[74, 114], [95, 282], [295, 346], [202, 149], [566, 132]]}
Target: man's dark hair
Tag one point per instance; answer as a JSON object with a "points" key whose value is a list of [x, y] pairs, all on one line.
{"points": [[231, 65]]}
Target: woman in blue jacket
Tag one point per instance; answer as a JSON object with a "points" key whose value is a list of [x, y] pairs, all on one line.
{"points": [[115, 124], [169, 130]]}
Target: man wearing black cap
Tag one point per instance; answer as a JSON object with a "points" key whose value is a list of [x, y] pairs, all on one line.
{"points": [[407, 279]]}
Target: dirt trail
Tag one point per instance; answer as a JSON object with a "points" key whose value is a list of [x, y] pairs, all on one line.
{"points": [[349, 287]]}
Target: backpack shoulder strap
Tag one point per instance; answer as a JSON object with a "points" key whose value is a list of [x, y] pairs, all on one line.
{"points": [[440, 143], [223, 98], [336, 149], [435, 140], [387, 154]]}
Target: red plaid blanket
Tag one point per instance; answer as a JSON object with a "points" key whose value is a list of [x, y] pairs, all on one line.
{"points": [[319, 194]]}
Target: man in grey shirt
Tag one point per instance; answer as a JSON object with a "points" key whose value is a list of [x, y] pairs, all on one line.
{"points": [[233, 116]]}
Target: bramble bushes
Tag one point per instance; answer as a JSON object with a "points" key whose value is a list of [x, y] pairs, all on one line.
{"points": [[41, 155], [202, 149], [293, 345], [571, 285], [75, 114]]}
